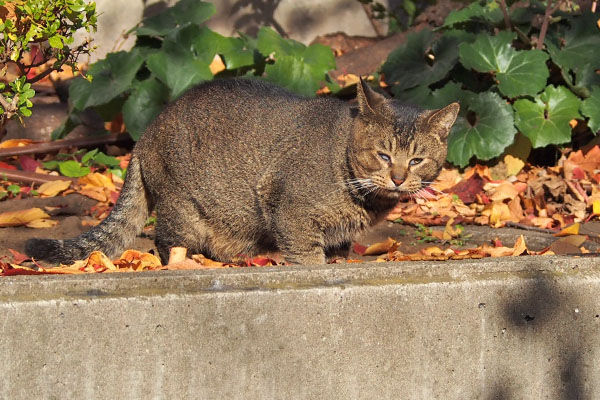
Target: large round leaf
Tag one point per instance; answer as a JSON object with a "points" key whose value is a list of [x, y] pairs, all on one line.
{"points": [[518, 72], [421, 61], [546, 119], [111, 77], [143, 105], [591, 109], [182, 13], [490, 12], [490, 131], [177, 68]]}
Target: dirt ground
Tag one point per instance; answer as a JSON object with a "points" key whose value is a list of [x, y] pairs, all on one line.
{"points": [[71, 210]]}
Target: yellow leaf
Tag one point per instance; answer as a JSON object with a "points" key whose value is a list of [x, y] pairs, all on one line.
{"points": [[569, 230], [41, 223], [514, 165], [21, 217], [596, 207], [98, 180], [53, 188], [520, 247], [15, 143]]}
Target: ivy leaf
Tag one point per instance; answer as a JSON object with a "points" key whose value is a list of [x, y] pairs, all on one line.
{"points": [[590, 107], [73, 169], [270, 42], [182, 13], [293, 74], [490, 131], [546, 120], [490, 12], [421, 61], [111, 77], [177, 68], [424, 97], [518, 72], [143, 105]]}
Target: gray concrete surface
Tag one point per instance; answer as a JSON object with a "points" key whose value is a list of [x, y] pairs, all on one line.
{"points": [[510, 328]]}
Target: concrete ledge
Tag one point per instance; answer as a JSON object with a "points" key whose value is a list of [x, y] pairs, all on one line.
{"points": [[526, 328]]}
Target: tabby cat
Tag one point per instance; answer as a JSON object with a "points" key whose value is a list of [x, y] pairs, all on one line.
{"points": [[244, 167]]}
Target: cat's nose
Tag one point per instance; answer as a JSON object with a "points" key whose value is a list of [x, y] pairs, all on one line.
{"points": [[397, 181]]}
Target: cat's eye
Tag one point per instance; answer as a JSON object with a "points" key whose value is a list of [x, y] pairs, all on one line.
{"points": [[384, 157], [415, 161]]}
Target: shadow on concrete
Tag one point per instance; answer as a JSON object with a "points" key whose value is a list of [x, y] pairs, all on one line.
{"points": [[262, 13], [539, 308]]}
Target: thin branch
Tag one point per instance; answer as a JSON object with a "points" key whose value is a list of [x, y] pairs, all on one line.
{"points": [[56, 145], [40, 76], [547, 16], [30, 177], [529, 228], [505, 13]]}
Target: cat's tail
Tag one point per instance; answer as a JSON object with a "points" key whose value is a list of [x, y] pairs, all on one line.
{"points": [[111, 236]]}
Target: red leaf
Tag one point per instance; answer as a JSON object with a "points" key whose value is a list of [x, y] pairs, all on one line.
{"points": [[468, 190], [7, 166], [359, 249], [28, 163], [18, 258]]}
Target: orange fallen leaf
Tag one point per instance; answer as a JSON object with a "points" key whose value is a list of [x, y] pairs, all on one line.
{"points": [[177, 254], [217, 65], [16, 143], [381, 247], [97, 179], [520, 247]]}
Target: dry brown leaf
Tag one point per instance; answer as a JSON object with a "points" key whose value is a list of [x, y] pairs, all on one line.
{"points": [[503, 192], [21, 217], [53, 188], [520, 247]]}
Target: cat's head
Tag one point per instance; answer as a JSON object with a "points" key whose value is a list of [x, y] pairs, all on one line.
{"points": [[397, 149]]}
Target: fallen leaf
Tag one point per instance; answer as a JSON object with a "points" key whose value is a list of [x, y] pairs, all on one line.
{"points": [[21, 217], [217, 65], [177, 254], [16, 143], [53, 188], [18, 257], [569, 230], [520, 247], [41, 223], [381, 247], [568, 245], [514, 165]]}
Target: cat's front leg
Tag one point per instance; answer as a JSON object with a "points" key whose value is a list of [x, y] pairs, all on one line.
{"points": [[301, 243]]}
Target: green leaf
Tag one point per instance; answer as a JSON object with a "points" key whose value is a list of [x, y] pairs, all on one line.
{"points": [[73, 169], [546, 120], [143, 105], [320, 59], [518, 72], [490, 12], [490, 131], [55, 42], [421, 61], [270, 42], [87, 157], [112, 76], [104, 160], [291, 73], [182, 13], [590, 107], [14, 189], [177, 68], [424, 97]]}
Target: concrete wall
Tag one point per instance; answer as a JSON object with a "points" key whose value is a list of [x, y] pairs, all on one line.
{"points": [[515, 328], [302, 20]]}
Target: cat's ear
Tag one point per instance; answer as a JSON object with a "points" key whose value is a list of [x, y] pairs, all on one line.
{"points": [[442, 120], [368, 99]]}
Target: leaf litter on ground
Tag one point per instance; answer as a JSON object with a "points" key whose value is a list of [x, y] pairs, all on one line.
{"points": [[564, 199]]}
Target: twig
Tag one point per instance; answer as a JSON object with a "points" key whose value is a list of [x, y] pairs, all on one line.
{"points": [[505, 13], [371, 20], [56, 145], [30, 177], [529, 228], [547, 16]]}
